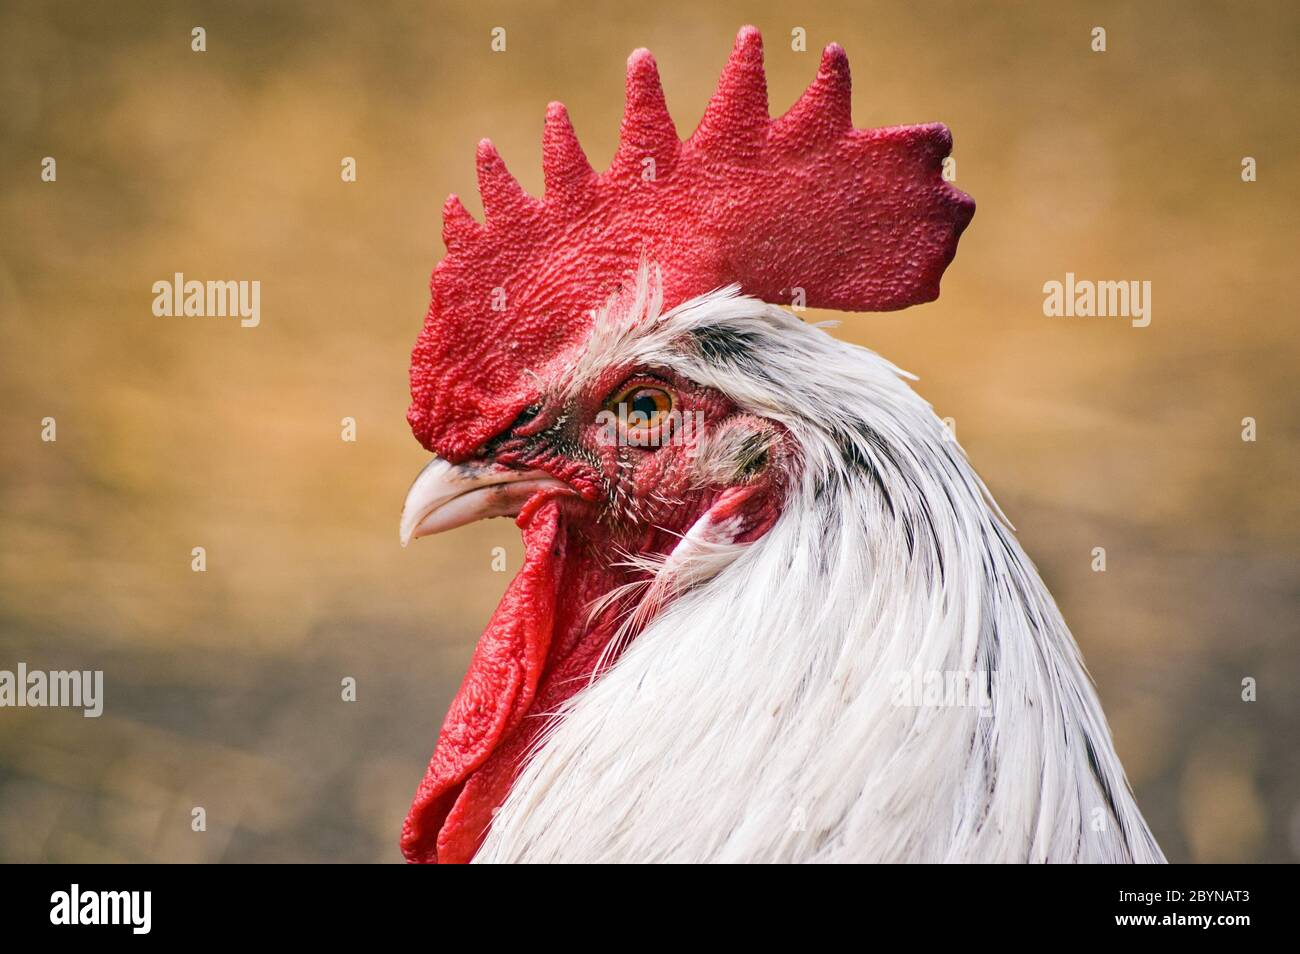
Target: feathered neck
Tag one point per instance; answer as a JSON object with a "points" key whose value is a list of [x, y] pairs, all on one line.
{"points": [[769, 712]]}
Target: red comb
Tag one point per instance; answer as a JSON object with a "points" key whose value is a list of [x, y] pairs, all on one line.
{"points": [[860, 219]]}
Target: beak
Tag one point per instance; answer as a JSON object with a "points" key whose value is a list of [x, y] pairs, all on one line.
{"points": [[446, 495]]}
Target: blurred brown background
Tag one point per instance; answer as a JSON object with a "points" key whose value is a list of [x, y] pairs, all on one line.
{"points": [[223, 688]]}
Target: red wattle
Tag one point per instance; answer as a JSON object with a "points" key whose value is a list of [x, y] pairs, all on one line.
{"points": [[446, 821]]}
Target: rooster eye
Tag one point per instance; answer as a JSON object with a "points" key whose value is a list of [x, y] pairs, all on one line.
{"points": [[642, 408]]}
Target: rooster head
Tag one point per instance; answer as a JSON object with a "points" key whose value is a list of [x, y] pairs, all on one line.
{"points": [[568, 374]]}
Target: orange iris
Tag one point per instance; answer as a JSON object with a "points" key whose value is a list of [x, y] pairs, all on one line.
{"points": [[642, 408]]}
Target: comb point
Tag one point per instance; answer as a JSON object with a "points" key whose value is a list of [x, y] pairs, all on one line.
{"points": [[825, 110], [458, 226], [564, 165], [647, 128], [748, 36], [835, 86], [500, 191], [737, 113]]}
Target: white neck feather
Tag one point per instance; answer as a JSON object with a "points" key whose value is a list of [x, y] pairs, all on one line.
{"points": [[758, 717]]}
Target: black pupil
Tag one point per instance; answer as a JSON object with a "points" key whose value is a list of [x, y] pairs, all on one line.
{"points": [[645, 404]]}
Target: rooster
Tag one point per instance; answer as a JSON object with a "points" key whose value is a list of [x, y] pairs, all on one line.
{"points": [[746, 542]]}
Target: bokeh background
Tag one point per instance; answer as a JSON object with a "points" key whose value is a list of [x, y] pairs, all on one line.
{"points": [[223, 687]]}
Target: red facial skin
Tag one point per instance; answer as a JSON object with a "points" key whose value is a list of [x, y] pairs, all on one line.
{"points": [[540, 646]]}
